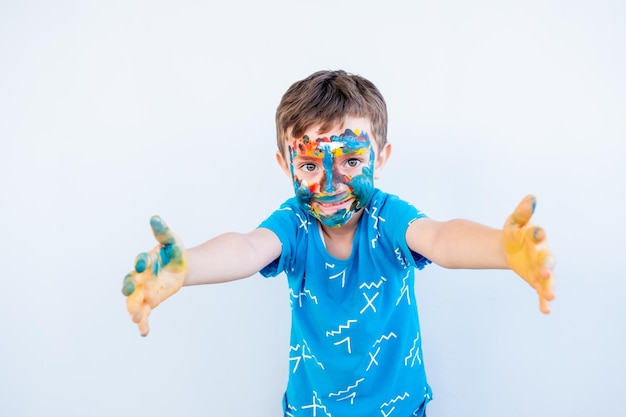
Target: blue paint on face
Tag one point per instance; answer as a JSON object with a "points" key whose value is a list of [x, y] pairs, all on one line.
{"points": [[363, 186], [338, 219], [328, 167], [303, 193]]}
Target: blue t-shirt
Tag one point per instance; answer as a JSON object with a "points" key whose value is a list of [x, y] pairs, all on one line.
{"points": [[355, 335]]}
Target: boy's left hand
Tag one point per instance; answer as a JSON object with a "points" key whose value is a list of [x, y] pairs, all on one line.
{"points": [[527, 251]]}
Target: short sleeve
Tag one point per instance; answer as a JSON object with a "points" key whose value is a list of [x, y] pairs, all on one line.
{"points": [[287, 223], [404, 214]]}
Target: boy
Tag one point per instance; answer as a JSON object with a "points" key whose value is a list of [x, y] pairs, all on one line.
{"points": [[349, 252]]}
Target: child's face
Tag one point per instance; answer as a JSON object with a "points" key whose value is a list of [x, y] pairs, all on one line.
{"points": [[333, 172]]}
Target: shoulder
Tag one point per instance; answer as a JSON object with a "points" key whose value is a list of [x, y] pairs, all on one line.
{"points": [[391, 203], [387, 219], [390, 216], [292, 225], [288, 220], [289, 208]]}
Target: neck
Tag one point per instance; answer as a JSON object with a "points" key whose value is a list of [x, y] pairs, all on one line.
{"points": [[338, 240]]}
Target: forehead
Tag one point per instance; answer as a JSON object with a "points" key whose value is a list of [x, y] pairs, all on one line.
{"points": [[353, 130], [353, 123], [348, 143]]}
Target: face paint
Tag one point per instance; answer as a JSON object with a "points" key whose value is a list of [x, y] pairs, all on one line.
{"points": [[336, 189]]}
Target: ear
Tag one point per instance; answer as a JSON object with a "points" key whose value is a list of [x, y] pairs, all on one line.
{"points": [[381, 160], [280, 159]]}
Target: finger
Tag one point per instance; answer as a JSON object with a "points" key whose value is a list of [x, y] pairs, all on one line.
{"points": [[134, 305], [144, 328], [161, 231], [538, 235], [143, 261], [546, 285], [172, 255], [128, 285], [547, 294], [544, 306], [544, 259], [524, 211], [549, 262]]}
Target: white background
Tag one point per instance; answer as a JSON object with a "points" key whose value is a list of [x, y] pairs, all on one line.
{"points": [[113, 111]]}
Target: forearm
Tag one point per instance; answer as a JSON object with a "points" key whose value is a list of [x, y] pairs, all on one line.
{"points": [[469, 245], [231, 256], [458, 244]]}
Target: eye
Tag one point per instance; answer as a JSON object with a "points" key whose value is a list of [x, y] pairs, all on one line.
{"points": [[308, 167], [353, 163]]}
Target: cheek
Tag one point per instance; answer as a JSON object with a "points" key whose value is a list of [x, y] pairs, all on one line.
{"points": [[363, 186], [308, 184], [304, 190], [314, 188], [362, 183]]}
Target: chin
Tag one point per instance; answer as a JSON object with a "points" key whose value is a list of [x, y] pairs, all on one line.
{"points": [[339, 218]]}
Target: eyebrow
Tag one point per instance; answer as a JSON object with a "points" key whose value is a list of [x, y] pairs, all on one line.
{"points": [[308, 158]]}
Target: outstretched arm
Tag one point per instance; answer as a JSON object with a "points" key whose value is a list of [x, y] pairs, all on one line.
{"points": [[519, 246], [232, 256], [161, 272]]}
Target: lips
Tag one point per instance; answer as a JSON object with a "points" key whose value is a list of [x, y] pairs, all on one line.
{"points": [[334, 203]]}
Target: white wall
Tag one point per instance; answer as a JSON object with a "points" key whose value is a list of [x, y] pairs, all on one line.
{"points": [[113, 111]]}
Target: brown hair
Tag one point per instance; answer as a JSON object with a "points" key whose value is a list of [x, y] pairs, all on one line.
{"points": [[327, 98]]}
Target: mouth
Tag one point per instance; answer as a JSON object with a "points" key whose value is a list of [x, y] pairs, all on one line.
{"points": [[333, 204]]}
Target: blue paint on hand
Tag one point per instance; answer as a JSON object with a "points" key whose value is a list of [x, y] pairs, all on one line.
{"points": [[156, 267], [166, 254], [141, 263], [161, 230], [129, 286]]}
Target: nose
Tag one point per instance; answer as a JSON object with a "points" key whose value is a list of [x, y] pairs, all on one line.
{"points": [[329, 187], [327, 183]]}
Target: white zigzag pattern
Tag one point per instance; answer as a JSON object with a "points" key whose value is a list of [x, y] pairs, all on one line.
{"points": [[399, 257], [375, 217], [410, 355], [385, 337], [338, 393], [395, 400], [404, 290], [303, 355], [341, 327], [374, 284]]}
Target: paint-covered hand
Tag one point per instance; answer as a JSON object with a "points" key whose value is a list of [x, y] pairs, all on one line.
{"points": [[527, 251], [158, 274]]}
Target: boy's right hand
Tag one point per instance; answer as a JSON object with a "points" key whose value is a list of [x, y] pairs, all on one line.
{"points": [[158, 274], [527, 252]]}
